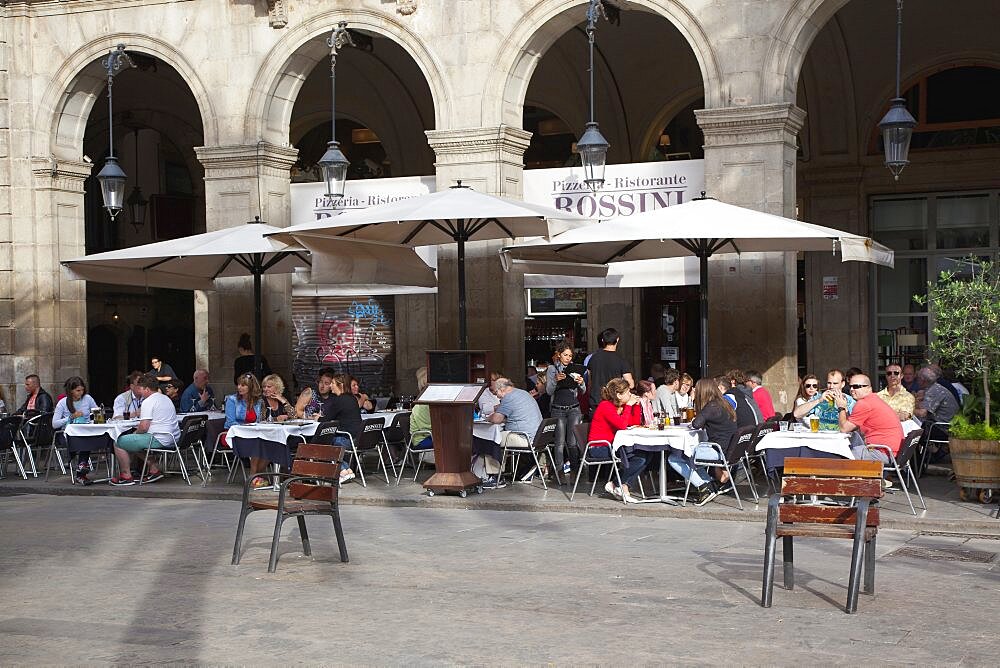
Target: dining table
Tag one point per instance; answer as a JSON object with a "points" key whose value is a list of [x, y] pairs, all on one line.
{"points": [[269, 440], [800, 441], [673, 437]]}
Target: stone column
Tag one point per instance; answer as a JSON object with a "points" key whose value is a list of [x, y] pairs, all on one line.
{"points": [[242, 182], [46, 317], [490, 160], [750, 161]]}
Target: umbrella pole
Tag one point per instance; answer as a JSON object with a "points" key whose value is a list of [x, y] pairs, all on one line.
{"points": [[257, 270], [463, 336], [703, 306]]}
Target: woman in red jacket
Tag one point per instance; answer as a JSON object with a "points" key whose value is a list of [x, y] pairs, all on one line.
{"points": [[619, 409]]}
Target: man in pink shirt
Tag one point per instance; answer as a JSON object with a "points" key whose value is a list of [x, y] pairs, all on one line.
{"points": [[876, 421], [760, 394]]}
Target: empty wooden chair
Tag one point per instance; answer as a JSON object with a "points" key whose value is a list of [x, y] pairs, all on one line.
{"points": [[312, 488], [844, 478]]}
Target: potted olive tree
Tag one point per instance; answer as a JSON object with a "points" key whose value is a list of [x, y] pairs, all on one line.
{"points": [[966, 310]]}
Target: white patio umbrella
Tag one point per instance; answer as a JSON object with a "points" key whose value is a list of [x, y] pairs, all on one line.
{"points": [[194, 262], [455, 215], [702, 227]]}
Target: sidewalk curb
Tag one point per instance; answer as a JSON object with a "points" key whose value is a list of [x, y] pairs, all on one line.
{"points": [[988, 527]]}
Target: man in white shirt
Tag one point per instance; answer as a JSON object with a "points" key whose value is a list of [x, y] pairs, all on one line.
{"points": [[157, 429], [129, 400]]}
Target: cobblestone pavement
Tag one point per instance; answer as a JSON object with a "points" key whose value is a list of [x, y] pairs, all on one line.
{"points": [[102, 580]]}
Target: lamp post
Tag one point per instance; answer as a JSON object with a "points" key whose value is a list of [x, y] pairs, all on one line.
{"points": [[333, 163], [111, 177], [136, 202], [897, 124], [592, 146]]}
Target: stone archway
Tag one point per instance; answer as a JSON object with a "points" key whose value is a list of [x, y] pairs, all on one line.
{"points": [[519, 54], [288, 65], [74, 89]]}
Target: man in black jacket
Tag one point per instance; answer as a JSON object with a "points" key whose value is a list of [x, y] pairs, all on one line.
{"points": [[747, 411], [38, 399]]}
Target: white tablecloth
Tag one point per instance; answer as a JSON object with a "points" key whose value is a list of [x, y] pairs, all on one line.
{"points": [[276, 432], [676, 437], [834, 443], [113, 428], [487, 431], [388, 415]]}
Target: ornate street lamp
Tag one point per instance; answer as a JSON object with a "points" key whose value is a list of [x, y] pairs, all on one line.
{"points": [[136, 202], [333, 163], [111, 177], [592, 146], [897, 124]]}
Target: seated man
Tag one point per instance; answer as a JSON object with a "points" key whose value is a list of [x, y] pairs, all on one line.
{"points": [[876, 421], [755, 382], [741, 399], [127, 403], [157, 429], [935, 404], [666, 393], [199, 395], [895, 394], [518, 412], [824, 405], [38, 399]]}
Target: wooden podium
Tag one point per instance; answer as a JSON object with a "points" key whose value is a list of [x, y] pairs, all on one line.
{"points": [[451, 407]]}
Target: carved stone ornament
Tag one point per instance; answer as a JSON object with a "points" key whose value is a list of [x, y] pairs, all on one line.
{"points": [[406, 7], [277, 17]]}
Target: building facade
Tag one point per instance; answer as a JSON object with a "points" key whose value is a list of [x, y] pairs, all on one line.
{"points": [[227, 104]]}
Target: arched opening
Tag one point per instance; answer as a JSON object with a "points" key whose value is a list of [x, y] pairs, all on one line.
{"points": [[944, 205], [384, 106], [647, 83], [156, 124]]}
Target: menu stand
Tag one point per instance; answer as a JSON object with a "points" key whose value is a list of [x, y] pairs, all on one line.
{"points": [[451, 407]]}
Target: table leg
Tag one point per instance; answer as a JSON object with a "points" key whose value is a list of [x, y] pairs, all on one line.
{"points": [[662, 498]]}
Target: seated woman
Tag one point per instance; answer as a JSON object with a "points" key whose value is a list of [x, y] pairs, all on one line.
{"points": [[808, 389], [619, 409], [310, 402], [683, 395], [276, 407], [718, 418], [420, 417], [75, 407], [648, 400], [364, 403], [246, 407], [343, 408]]}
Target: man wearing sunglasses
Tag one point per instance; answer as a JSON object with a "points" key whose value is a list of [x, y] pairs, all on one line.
{"points": [[871, 416], [823, 405], [895, 394]]}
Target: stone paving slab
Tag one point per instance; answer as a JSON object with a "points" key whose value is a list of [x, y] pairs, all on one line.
{"points": [[121, 580], [945, 512]]}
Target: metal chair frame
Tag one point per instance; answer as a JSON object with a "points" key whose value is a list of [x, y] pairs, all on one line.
{"points": [[582, 432], [415, 437], [192, 430], [371, 439], [905, 454], [712, 463], [925, 453], [544, 439], [13, 424]]}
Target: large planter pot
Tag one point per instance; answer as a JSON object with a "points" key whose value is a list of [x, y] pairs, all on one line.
{"points": [[976, 463]]}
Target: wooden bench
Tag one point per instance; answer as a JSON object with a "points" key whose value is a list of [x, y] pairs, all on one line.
{"points": [[312, 488], [837, 478]]}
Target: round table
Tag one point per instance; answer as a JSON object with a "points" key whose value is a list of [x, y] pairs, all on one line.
{"points": [[681, 438]]}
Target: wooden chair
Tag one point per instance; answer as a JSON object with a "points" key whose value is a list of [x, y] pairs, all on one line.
{"points": [[312, 488], [860, 480]]}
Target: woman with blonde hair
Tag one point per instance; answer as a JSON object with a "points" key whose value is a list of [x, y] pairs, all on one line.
{"points": [[718, 418], [619, 409], [276, 407]]}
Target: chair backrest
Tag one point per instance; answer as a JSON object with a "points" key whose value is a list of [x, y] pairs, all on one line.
{"points": [[381, 403], [398, 430], [371, 434], [762, 431], [193, 430], [830, 477], [908, 446], [38, 430], [742, 442], [321, 461], [325, 433], [582, 431], [546, 434]]}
